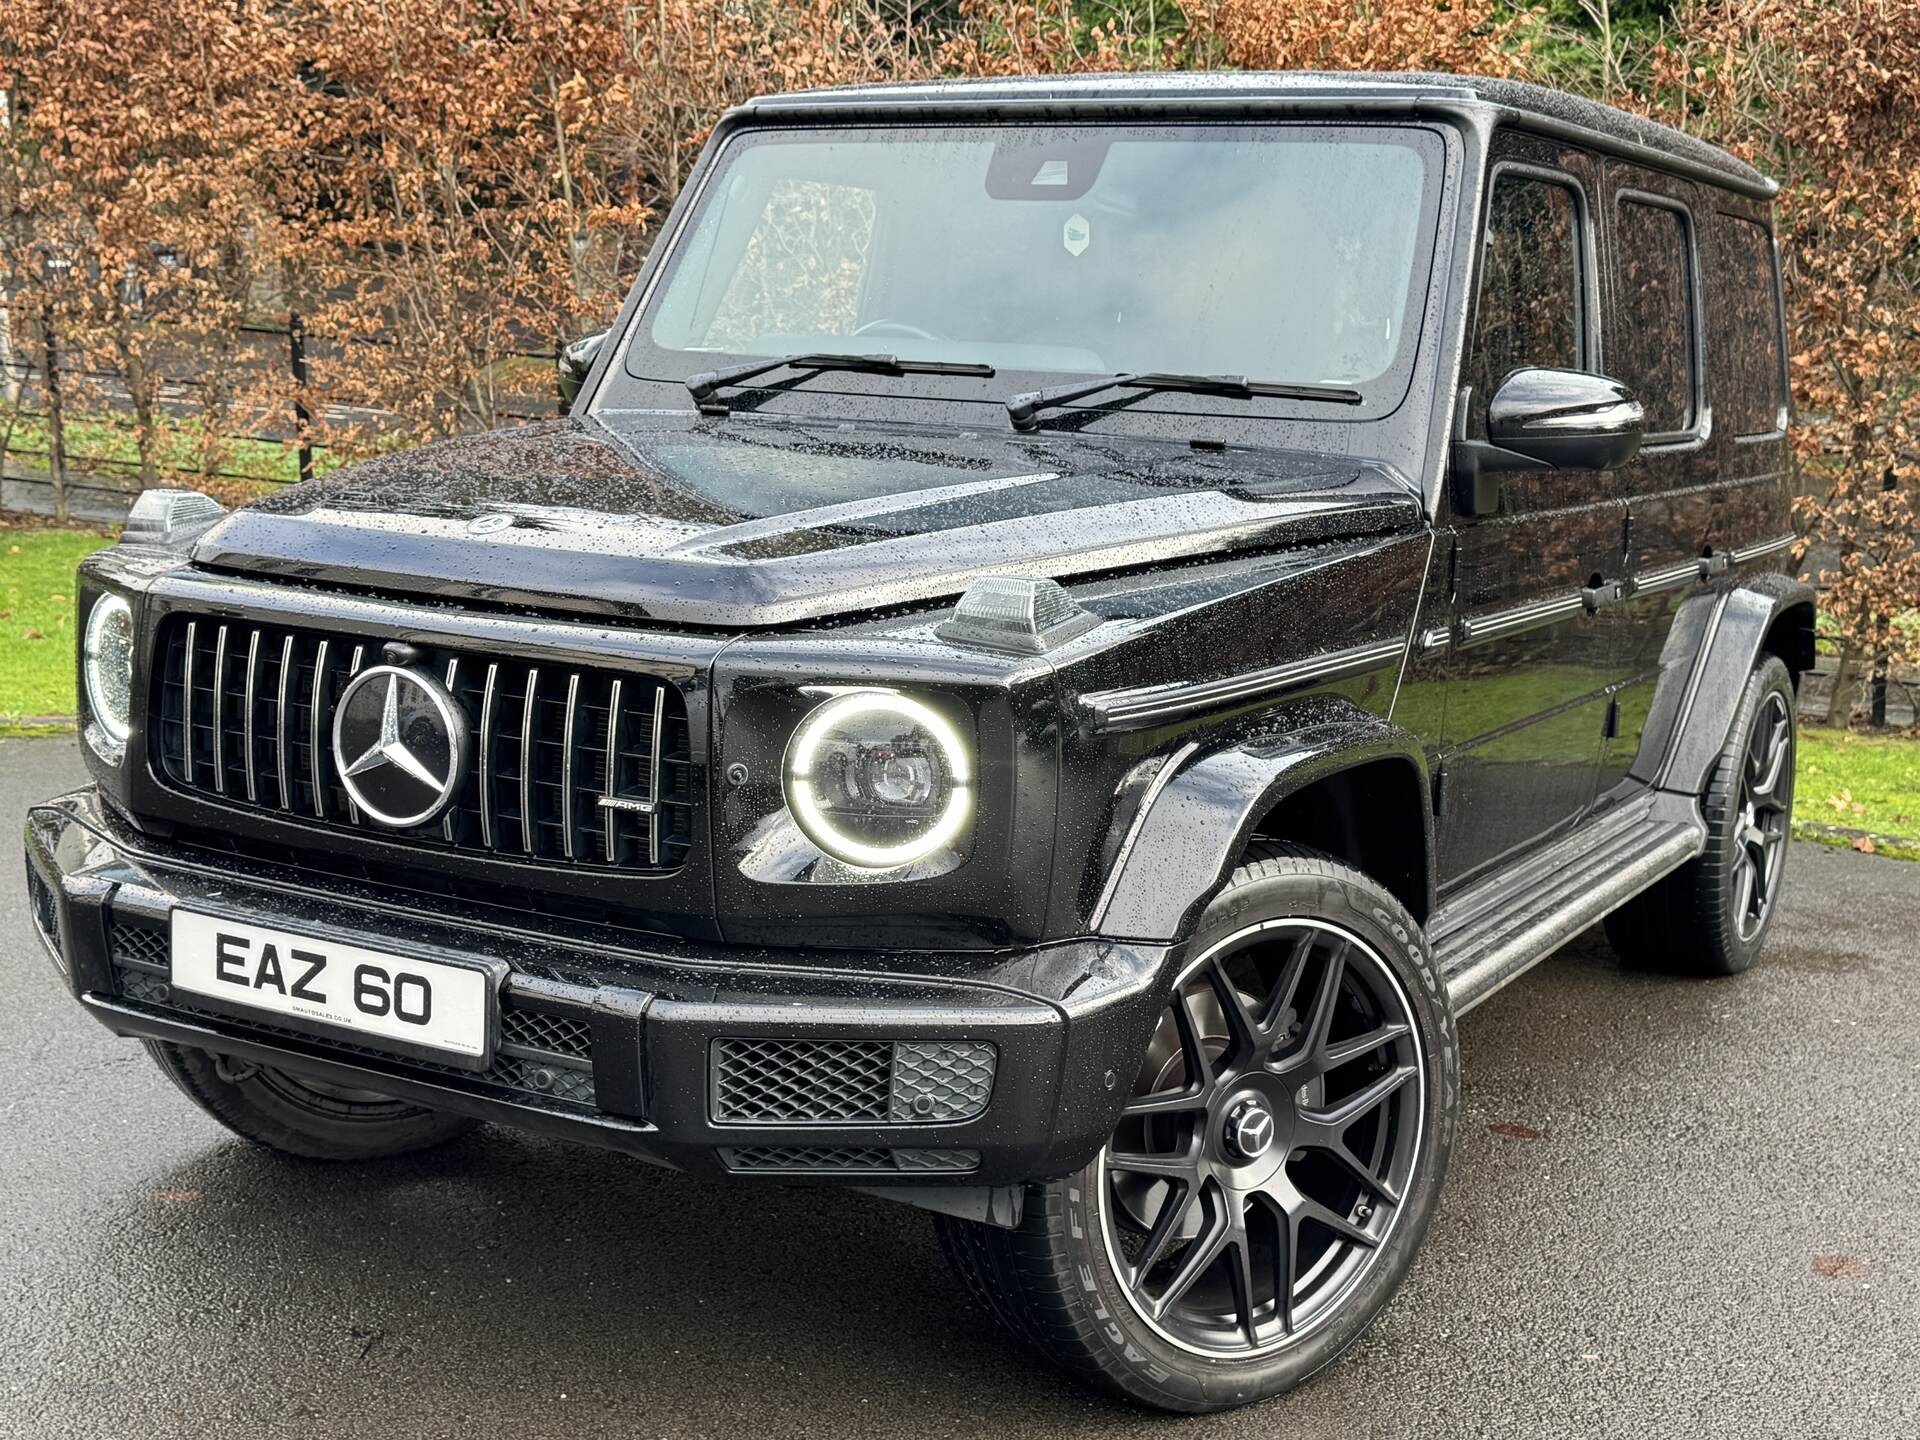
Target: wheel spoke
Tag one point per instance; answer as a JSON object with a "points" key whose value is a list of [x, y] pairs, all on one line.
{"points": [[1362, 1102], [1199, 1065], [1240, 1275], [1164, 1167], [1335, 1148], [1199, 1258], [1339, 1052], [1325, 1003], [1770, 848], [1245, 1029], [1167, 1102], [1764, 778], [1338, 1224], [1744, 885], [1166, 1226], [1285, 1248], [1287, 987]]}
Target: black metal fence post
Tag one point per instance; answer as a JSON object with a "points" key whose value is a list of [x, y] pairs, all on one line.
{"points": [[56, 419], [297, 361]]}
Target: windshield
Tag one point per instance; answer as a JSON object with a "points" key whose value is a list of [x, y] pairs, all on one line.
{"points": [[1279, 253]]}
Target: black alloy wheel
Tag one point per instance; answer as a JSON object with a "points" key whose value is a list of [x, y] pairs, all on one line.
{"points": [[1269, 1142], [1764, 814], [1712, 915], [1274, 1162]]}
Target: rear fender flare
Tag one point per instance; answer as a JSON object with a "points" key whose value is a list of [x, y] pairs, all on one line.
{"points": [[1711, 649], [1184, 846]]}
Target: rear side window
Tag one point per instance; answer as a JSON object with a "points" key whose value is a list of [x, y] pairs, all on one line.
{"points": [[1530, 312], [1752, 399], [1655, 350]]}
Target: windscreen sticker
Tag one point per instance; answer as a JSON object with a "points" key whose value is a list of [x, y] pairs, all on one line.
{"points": [[1076, 234]]}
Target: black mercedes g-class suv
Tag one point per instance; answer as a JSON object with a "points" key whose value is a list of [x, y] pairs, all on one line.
{"points": [[1074, 626]]}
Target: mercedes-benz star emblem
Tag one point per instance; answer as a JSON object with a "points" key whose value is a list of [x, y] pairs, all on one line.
{"points": [[1250, 1129], [400, 743]]}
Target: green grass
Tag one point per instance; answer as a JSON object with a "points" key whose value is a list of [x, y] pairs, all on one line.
{"points": [[1860, 782], [36, 622]]}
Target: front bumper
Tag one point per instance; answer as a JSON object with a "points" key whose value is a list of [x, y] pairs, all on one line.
{"points": [[610, 1038]]}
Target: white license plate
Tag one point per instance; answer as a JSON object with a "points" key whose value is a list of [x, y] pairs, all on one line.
{"points": [[325, 982]]}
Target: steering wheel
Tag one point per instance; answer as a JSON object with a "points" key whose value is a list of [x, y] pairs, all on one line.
{"points": [[884, 326]]}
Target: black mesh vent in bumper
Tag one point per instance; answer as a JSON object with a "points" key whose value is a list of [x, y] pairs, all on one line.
{"points": [[818, 1081], [847, 1159], [46, 909], [827, 1082], [540, 1052], [566, 767]]}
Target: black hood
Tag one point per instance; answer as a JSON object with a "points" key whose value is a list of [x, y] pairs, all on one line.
{"points": [[745, 523]]}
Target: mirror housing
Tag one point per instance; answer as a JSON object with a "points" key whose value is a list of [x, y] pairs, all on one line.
{"points": [[576, 363], [1546, 420]]}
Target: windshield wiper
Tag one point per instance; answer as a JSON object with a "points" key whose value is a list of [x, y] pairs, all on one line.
{"points": [[707, 383], [1024, 410]]}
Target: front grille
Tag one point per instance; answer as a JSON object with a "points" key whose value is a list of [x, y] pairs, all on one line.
{"points": [[540, 1052], [847, 1159], [568, 766], [826, 1082]]}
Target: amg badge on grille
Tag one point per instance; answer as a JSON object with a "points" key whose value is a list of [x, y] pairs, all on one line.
{"points": [[400, 743]]}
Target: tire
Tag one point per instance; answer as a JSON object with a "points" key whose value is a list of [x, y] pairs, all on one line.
{"points": [[1087, 1276], [1703, 919], [303, 1117]]}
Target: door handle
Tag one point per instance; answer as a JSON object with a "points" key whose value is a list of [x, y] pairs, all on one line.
{"points": [[1605, 593]]}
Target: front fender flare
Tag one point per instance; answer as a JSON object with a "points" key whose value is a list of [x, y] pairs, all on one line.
{"points": [[1184, 844]]}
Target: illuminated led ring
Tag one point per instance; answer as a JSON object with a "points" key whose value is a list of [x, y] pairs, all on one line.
{"points": [[106, 610], [819, 829]]}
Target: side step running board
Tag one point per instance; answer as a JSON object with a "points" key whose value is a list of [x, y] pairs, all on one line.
{"points": [[1504, 925]]}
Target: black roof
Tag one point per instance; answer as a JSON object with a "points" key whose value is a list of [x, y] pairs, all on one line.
{"points": [[1205, 91]]}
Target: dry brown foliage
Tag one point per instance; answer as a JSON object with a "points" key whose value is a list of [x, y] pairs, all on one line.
{"points": [[1827, 98], [1477, 36], [447, 189]]}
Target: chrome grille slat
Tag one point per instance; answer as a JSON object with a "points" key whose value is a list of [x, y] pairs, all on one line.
{"points": [[613, 775], [527, 707], [246, 722], [314, 752], [353, 668], [280, 717], [486, 756], [576, 798], [453, 669], [186, 706], [220, 712], [653, 777], [566, 765]]}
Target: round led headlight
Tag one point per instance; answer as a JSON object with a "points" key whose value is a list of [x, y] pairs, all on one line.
{"points": [[109, 664], [878, 780]]}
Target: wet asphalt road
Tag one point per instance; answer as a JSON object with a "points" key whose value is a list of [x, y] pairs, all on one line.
{"points": [[1677, 1208]]}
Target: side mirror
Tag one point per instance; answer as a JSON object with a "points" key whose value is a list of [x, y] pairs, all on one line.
{"points": [[576, 363], [1547, 420]]}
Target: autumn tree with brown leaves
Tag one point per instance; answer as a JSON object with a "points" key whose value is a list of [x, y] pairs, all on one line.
{"points": [[140, 136], [1827, 98], [447, 190]]}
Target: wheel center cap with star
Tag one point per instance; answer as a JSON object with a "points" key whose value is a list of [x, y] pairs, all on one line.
{"points": [[400, 745]]}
